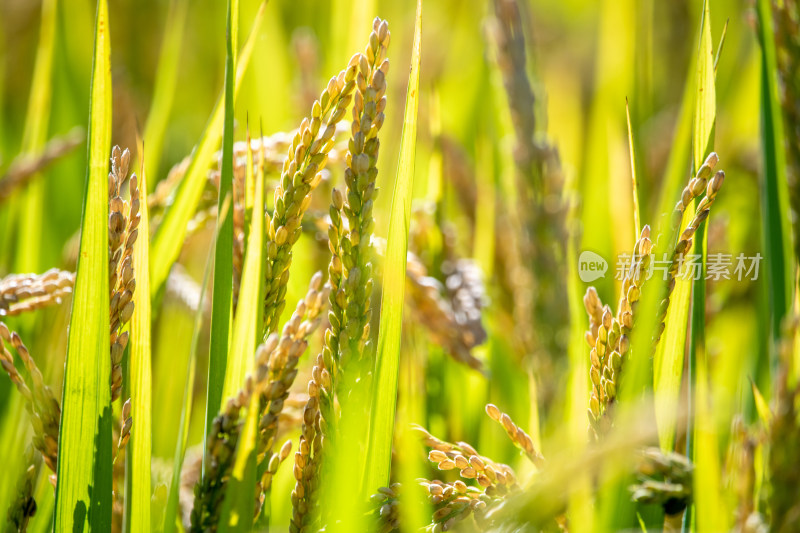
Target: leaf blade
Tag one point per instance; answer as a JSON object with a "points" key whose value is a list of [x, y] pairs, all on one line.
{"points": [[138, 482], [388, 354], [86, 414], [222, 286]]}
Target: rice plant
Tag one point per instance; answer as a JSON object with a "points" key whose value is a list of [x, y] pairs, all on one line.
{"points": [[358, 265]]}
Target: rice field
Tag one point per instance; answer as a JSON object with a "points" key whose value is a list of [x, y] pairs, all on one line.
{"points": [[361, 265]]}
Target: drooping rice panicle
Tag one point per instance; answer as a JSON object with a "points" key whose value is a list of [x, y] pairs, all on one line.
{"points": [[319, 414], [609, 338], [20, 293], [495, 478], [456, 501], [276, 370], [123, 223], [701, 182], [521, 440], [307, 458], [452, 502], [438, 316], [307, 156], [360, 175], [466, 292], [40, 402], [664, 479], [209, 492], [125, 429]]}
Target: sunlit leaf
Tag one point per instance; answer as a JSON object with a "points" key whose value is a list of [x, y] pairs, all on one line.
{"points": [[83, 492]]}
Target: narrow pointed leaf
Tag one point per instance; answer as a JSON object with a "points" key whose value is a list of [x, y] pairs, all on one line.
{"points": [[222, 287], [239, 498], [83, 492], [671, 352], [247, 323], [138, 487], [379, 451], [774, 185]]}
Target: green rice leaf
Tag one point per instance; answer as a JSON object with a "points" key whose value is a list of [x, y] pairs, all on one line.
{"points": [[720, 45], [247, 323], [83, 493], [774, 186], [137, 457], [239, 507], [671, 351], [169, 238], [239, 503], [222, 288], [379, 451], [702, 445], [710, 507]]}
